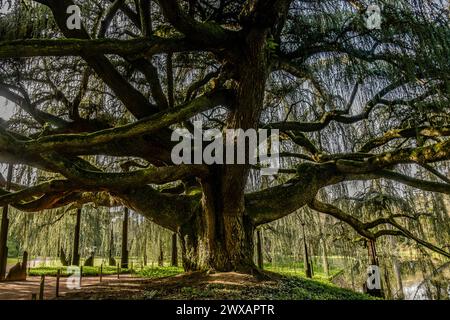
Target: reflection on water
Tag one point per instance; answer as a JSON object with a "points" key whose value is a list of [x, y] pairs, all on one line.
{"points": [[415, 289]]}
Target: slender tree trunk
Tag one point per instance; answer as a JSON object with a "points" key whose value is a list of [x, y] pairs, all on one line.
{"points": [[124, 255], [397, 271], [111, 260], [170, 89], [259, 250], [4, 230], [174, 260], [3, 243], [326, 267], [306, 263], [145, 248], [161, 254], [58, 249], [387, 287], [76, 240], [373, 258], [398, 278]]}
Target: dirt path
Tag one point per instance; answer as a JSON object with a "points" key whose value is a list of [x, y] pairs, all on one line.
{"points": [[22, 290]]}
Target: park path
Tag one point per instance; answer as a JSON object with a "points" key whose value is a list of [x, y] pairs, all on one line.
{"points": [[22, 290]]}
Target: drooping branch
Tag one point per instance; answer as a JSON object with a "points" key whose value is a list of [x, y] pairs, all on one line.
{"points": [[340, 116], [428, 154], [23, 102], [364, 228], [423, 131], [416, 183], [337, 213]]}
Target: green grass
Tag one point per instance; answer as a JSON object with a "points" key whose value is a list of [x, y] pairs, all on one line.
{"points": [[87, 271], [148, 272], [299, 288], [159, 272], [292, 286], [296, 269], [288, 287]]}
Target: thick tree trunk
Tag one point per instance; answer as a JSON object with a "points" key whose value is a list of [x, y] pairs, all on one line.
{"points": [[227, 251], [220, 237], [217, 240]]}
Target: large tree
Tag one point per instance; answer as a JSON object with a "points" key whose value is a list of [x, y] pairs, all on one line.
{"points": [[351, 103]]}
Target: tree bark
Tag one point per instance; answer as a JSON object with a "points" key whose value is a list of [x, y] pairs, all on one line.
{"points": [[306, 263], [76, 240], [174, 260], [124, 255], [161, 254], [326, 267], [259, 250], [4, 230], [217, 240], [230, 249]]}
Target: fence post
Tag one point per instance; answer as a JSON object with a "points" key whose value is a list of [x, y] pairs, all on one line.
{"points": [[101, 272], [81, 274], [118, 271], [41, 288], [58, 275]]}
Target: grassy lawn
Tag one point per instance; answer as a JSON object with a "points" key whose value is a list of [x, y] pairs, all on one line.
{"points": [[87, 271], [288, 283], [219, 286], [300, 288], [287, 288], [149, 272], [296, 269], [12, 261]]}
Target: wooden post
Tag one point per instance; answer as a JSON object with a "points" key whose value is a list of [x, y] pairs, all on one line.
{"points": [[118, 271], [81, 274], [4, 229], [58, 275], [101, 272], [41, 288]]}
